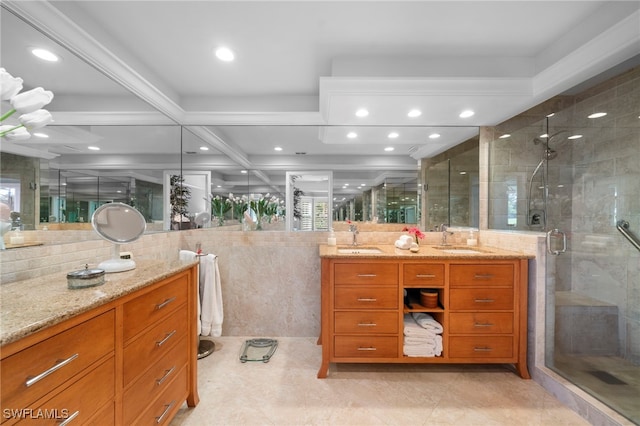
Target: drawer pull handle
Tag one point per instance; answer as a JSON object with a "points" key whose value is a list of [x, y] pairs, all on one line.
{"points": [[165, 303], [485, 349], [70, 418], [367, 324], [367, 275], [367, 299], [167, 373], [59, 364], [167, 337], [367, 349], [425, 276], [160, 418], [484, 300], [483, 276], [486, 324]]}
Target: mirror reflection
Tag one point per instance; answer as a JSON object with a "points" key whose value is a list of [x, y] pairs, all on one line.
{"points": [[108, 145]]}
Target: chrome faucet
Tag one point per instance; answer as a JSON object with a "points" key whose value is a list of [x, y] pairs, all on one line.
{"points": [[354, 230], [445, 232]]}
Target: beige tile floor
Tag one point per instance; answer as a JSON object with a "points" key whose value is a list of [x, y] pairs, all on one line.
{"points": [[285, 391]]}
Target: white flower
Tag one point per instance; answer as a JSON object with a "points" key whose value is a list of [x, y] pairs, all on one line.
{"points": [[17, 134], [36, 119], [31, 100], [9, 85]]}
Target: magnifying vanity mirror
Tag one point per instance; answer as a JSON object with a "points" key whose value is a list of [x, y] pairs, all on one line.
{"points": [[120, 224]]}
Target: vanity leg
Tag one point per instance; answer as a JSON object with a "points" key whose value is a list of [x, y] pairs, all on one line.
{"points": [[522, 370], [324, 369]]}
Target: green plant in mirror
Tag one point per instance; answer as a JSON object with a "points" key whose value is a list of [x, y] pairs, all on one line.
{"points": [[219, 207]]}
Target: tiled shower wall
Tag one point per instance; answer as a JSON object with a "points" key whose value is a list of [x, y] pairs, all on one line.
{"points": [[593, 182]]}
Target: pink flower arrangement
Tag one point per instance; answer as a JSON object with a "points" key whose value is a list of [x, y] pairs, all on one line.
{"points": [[416, 232]]}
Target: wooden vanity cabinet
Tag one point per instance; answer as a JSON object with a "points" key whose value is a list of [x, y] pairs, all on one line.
{"points": [[129, 361], [482, 306]]}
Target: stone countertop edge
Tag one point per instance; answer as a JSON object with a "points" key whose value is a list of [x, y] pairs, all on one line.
{"points": [[389, 251], [32, 305]]}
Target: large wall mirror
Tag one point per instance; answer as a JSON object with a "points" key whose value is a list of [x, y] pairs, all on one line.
{"points": [[452, 187], [107, 144]]}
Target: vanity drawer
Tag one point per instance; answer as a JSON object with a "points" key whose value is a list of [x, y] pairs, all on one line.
{"points": [[481, 323], [481, 299], [154, 344], [366, 297], [366, 322], [162, 409], [149, 308], [82, 398], [480, 347], [481, 275], [423, 274], [154, 381], [366, 347], [63, 355], [366, 273]]}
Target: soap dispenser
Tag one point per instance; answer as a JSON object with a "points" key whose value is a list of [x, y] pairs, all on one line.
{"points": [[331, 241]]}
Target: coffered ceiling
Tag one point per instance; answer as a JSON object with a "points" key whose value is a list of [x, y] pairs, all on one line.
{"points": [[309, 64]]}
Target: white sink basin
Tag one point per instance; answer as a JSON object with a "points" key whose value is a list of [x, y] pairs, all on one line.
{"points": [[461, 251], [359, 250], [457, 250]]}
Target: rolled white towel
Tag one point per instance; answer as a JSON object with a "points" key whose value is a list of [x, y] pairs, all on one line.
{"points": [[402, 244], [406, 238], [411, 328], [427, 322]]}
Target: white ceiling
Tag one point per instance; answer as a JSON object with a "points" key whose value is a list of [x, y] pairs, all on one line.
{"points": [[305, 63]]}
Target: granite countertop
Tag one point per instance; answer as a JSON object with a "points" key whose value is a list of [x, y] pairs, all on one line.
{"points": [[427, 251], [32, 305]]}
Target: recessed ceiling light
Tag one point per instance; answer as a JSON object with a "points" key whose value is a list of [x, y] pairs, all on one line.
{"points": [[244, 172], [277, 148], [45, 55], [94, 148], [362, 112], [466, 113], [463, 172], [41, 135], [204, 148], [389, 148], [597, 115], [434, 135], [574, 137], [352, 135], [551, 115], [218, 186], [225, 54], [544, 135], [414, 113], [506, 135], [393, 135]]}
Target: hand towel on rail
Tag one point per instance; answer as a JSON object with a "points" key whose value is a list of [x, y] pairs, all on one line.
{"points": [[212, 314]]}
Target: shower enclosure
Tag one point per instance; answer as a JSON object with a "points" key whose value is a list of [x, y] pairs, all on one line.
{"points": [[571, 169]]}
